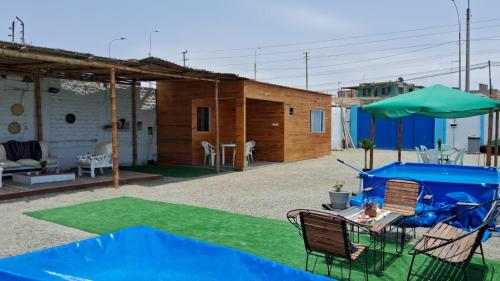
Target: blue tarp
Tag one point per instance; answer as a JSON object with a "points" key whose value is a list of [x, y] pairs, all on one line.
{"points": [[144, 253]]}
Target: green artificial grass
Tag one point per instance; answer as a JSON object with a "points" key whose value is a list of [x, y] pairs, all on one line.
{"points": [[174, 171], [271, 239]]}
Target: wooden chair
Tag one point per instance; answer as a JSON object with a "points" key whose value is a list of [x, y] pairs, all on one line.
{"points": [[325, 235], [451, 245]]}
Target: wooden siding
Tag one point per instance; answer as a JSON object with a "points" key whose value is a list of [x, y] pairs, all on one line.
{"points": [[179, 143], [265, 125], [300, 142]]}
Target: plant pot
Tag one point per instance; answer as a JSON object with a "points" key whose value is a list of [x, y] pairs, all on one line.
{"points": [[371, 212], [339, 199]]}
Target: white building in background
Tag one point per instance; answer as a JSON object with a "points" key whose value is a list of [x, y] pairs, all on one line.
{"points": [[90, 105]]}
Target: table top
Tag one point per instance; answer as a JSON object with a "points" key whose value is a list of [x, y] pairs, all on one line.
{"points": [[228, 145], [384, 218]]}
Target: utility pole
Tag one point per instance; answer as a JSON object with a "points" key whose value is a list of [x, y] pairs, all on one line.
{"points": [[22, 29], [307, 71], [255, 63], [184, 53], [490, 124], [467, 55], [459, 46], [13, 31]]}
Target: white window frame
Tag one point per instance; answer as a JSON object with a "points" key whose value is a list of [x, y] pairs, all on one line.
{"points": [[209, 119], [323, 122]]}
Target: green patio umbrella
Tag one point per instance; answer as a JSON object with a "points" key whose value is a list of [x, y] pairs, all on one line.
{"points": [[436, 101]]}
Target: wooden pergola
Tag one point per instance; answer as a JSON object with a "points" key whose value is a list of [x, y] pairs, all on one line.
{"points": [[61, 64]]}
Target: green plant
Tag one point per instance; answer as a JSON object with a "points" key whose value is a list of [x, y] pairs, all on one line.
{"points": [[339, 184], [366, 145]]}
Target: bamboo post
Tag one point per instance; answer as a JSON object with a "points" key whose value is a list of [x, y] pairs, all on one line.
{"points": [[38, 109], [217, 135], [372, 137], [114, 130], [134, 123], [496, 138], [490, 136], [400, 136]]}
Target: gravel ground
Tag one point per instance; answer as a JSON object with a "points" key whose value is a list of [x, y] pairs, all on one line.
{"points": [[266, 191]]}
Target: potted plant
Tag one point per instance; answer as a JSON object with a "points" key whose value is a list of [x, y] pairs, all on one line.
{"points": [[339, 198], [366, 145]]}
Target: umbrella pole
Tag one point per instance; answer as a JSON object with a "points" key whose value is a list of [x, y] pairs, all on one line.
{"points": [[372, 137], [496, 138], [490, 136], [400, 136]]}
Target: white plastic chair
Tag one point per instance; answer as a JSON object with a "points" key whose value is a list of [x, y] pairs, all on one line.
{"points": [[459, 159], [209, 151], [250, 146], [102, 158], [419, 158], [433, 156], [423, 148]]}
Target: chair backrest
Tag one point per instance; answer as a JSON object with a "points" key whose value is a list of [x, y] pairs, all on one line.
{"points": [[250, 145], [459, 158], [423, 147], [325, 233], [207, 147], [445, 147], [417, 150], [433, 156], [3, 154], [424, 157], [401, 195], [103, 148]]}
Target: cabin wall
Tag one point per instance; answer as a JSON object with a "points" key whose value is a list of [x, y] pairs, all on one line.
{"points": [[91, 105], [299, 142], [265, 126], [179, 143]]}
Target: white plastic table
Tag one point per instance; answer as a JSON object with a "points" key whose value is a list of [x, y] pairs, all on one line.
{"points": [[222, 147]]}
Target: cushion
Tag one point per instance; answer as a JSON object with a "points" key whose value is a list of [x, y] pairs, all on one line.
{"points": [[50, 161], [103, 148], [85, 162], [29, 163], [45, 149], [7, 164], [3, 155]]}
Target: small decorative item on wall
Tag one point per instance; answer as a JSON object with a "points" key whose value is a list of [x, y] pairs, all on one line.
{"points": [[17, 109], [70, 118], [14, 128], [150, 131], [139, 126], [54, 90]]}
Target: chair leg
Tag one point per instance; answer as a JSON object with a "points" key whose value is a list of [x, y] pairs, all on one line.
{"points": [[205, 160], [102, 171], [80, 171], [411, 267], [482, 253], [92, 172]]}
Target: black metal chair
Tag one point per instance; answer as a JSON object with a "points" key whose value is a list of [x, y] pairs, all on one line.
{"points": [[325, 235], [451, 245]]}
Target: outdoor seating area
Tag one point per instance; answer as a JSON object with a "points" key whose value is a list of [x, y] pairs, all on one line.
{"points": [[210, 153], [443, 155]]}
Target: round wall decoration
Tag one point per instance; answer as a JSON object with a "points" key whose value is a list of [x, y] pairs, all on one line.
{"points": [[17, 109], [70, 118], [14, 128]]}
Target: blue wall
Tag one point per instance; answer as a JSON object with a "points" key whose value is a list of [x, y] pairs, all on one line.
{"points": [[417, 130]]}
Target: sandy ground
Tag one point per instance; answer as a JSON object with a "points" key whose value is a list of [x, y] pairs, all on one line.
{"points": [[266, 191]]}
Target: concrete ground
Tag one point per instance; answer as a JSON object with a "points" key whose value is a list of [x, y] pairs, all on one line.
{"points": [[266, 191]]}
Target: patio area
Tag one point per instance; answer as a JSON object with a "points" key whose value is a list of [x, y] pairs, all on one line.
{"points": [[13, 190]]}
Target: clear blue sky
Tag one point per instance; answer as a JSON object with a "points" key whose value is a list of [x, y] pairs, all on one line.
{"points": [[348, 41]]}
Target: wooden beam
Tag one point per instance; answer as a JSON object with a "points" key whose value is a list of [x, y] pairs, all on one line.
{"points": [[400, 138], [240, 132], [134, 123], [372, 137], [38, 109], [217, 131], [496, 137], [90, 63], [490, 136], [114, 130]]}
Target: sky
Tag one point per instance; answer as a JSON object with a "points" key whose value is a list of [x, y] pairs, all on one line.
{"points": [[348, 42]]}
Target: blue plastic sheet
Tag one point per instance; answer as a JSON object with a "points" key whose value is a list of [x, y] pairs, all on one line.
{"points": [[144, 253], [448, 184]]}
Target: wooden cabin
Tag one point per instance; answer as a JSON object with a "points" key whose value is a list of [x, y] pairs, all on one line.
{"points": [[287, 124]]}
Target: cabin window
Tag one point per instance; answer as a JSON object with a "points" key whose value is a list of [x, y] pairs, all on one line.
{"points": [[317, 121], [203, 119]]}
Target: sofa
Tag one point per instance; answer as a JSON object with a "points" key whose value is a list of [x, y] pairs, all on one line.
{"points": [[14, 165]]}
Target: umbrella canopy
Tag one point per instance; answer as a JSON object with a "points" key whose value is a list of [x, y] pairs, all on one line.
{"points": [[437, 101]]}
